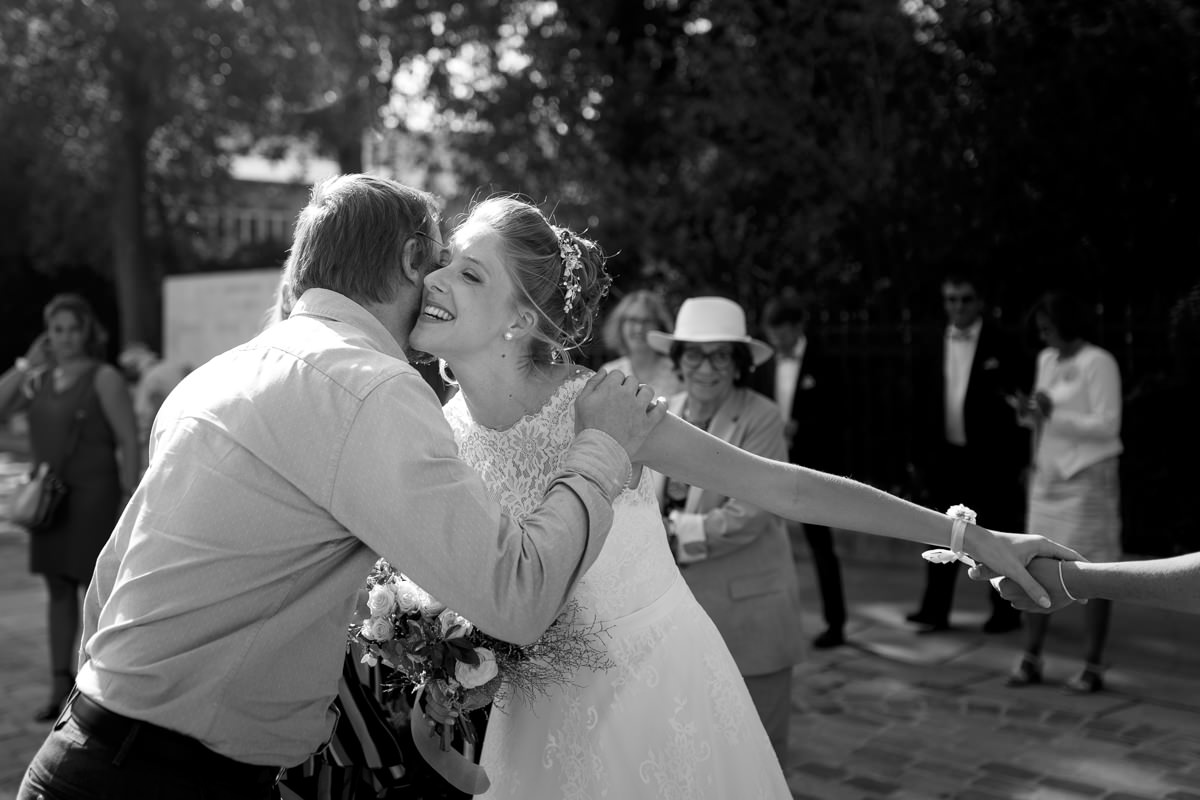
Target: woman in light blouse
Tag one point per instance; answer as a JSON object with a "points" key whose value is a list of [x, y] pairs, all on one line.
{"points": [[1075, 412]]}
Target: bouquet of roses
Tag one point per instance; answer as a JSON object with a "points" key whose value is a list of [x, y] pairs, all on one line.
{"points": [[427, 644]]}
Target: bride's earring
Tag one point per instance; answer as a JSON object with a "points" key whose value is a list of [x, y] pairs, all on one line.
{"points": [[508, 336]]}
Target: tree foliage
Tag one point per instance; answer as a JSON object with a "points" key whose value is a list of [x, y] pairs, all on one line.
{"points": [[851, 149]]}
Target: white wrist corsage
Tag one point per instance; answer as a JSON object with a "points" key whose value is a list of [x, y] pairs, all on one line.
{"points": [[962, 517]]}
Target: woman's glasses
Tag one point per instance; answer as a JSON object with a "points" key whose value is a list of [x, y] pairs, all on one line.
{"points": [[693, 357]]}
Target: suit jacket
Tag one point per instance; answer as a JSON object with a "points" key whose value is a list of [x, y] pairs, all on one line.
{"points": [[748, 584], [817, 441], [997, 446]]}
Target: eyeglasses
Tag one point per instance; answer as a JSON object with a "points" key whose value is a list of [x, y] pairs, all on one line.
{"points": [[693, 357], [645, 322], [953, 298], [441, 253]]}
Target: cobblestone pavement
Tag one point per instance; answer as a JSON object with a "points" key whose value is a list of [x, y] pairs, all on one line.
{"points": [[902, 716], [893, 715]]}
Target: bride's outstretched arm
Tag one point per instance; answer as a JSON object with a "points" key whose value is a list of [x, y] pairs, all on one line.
{"points": [[687, 453]]}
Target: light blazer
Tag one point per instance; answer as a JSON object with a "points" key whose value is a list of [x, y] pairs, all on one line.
{"points": [[748, 583]]}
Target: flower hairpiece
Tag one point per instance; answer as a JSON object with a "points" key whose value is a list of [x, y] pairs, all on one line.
{"points": [[568, 249]]}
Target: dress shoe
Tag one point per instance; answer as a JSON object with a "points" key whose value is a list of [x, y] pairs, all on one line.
{"points": [[927, 623], [1002, 624], [830, 638]]}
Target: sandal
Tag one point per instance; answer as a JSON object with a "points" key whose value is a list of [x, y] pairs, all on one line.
{"points": [[1089, 681], [1027, 672]]}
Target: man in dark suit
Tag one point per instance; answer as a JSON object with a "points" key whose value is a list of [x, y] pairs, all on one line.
{"points": [[968, 447], [798, 380]]}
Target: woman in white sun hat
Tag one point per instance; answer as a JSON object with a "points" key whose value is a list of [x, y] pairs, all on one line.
{"points": [[736, 558]]}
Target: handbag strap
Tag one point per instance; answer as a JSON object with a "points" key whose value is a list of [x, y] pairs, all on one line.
{"points": [[78, 417]]}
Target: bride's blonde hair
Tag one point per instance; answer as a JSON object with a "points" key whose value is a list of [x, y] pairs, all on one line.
{"points": [[560, 273]]}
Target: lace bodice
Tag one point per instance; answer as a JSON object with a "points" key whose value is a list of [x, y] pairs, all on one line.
{"points": [[635, 565]]}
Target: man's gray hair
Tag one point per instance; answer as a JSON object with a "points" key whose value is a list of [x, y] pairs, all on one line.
{"points": [[350, 237]]}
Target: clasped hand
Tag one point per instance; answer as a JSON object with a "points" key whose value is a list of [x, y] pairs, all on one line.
{"points": [[1014, 556], [1045, 571], [619, 406]]}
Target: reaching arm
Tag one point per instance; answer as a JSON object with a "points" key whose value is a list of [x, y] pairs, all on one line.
{"points": [[12, 399], [736, 523], [1171, 583], [401, 488], [16, 381], [689, 454]]}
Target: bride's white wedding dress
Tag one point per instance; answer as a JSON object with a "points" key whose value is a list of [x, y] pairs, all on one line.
{"points": [[673, 718]]}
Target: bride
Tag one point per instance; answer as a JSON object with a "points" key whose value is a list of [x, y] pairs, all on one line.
{"points": [[673, 717]]}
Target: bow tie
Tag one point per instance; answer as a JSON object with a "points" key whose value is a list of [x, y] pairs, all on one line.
{"points": [[959, 335]]}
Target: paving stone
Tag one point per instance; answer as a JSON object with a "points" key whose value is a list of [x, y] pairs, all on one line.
{"points": [[983, 708], [1064, 718], [951, 771], [1074, 787], [1157, 760], [1106, 736], [978, 794], [880, 755], [820, 770], [871, 785], [1009, 771], [1188, 779], [1105, 724]]}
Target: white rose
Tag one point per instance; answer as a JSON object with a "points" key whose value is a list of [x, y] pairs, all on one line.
{"points": [[377, 629], [408, 596], [430, 605], [453, 624], [470, 676], [381, 601], [961, 512]]}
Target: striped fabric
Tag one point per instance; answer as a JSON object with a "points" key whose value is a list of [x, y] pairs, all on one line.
{"points": [[364, 757]]}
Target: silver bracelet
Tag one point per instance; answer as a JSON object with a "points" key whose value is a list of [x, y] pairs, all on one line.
{"points": [[1064, 585]]}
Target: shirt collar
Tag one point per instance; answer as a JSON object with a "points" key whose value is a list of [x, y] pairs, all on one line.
{"points": [[332, 305], [797, 352], [971, 333]]}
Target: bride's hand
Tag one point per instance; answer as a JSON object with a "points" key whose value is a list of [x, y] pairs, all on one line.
{"points": [[1008, 553]]}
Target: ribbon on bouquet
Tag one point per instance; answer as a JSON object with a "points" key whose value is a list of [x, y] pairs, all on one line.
{"points": [[459, 771]]}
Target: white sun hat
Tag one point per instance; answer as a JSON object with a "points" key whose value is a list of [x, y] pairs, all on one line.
{"points": [[710, 319]]}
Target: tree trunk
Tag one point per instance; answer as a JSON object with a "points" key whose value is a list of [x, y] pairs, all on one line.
{"points": [[127, 228], [138, 290]]}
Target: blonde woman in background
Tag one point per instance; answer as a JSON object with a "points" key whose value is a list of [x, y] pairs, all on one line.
{"points": [[638, 313], [81, 422]]}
